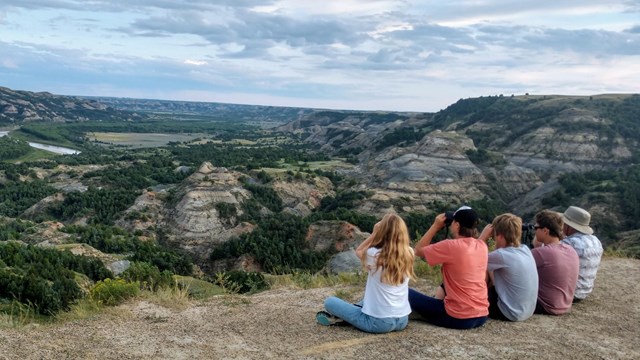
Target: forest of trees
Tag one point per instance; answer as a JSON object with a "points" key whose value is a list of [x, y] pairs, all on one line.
{"points": [[618, 186], [44, 278], [11, 148], [401, 136]]}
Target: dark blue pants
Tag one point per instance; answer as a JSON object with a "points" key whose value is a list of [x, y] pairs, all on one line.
{"points": [[432, 310], [494, 310]]}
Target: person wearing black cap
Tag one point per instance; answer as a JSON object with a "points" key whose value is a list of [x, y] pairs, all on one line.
{"points": [[588, 246], [464, 267]]}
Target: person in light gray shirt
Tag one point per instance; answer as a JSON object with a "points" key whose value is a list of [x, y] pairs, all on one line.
{"points": [[588, 246], [512, 273]]}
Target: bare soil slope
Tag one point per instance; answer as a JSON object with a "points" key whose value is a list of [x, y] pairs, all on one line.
{"points": [[280, 324]]}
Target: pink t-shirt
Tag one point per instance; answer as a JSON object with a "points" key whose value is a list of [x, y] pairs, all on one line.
{"points": [[558, 266], [464, 269]]}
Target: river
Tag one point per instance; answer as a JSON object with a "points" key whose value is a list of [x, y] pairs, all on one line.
{"points": [[51, 148]]}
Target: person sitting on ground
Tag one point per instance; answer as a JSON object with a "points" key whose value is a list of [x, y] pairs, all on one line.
{"points": [[588, 246], [513, 277], [464, 270], [388, 259], [557, 265]]}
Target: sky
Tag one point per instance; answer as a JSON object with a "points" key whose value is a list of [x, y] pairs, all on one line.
{"points": [[398, 55]]}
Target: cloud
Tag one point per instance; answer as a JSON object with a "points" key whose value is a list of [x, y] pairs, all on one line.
{"points": [[123, 6], [251, 29], [633, 5], [590, 42], [195, 62], [372, 53]]}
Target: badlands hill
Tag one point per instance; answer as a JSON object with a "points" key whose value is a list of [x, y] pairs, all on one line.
{"points": [[506, 148], [21, 107]]}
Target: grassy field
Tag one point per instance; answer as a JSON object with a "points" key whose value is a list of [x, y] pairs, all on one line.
{"points": [[140, 140], [34, 155], [309, 166], [19, 134], [232, 142]]}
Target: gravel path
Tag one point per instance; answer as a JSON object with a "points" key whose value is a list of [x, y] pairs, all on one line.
{"points": [[280, 324]]}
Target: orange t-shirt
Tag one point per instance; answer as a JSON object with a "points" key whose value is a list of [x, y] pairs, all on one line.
{"points": [[464, 269]]}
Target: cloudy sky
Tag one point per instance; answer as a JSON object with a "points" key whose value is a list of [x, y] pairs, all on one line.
{"points": [[342, 54]]}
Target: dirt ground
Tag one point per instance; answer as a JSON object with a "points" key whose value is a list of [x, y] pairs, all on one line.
{"points": [[280, 324]]}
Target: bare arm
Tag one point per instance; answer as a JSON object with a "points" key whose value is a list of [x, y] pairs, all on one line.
{"points": [[361, 250], [438, 223], [487, 233], [490, 278]]}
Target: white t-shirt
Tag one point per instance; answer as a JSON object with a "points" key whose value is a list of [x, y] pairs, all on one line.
{"points": [[383, 300]]}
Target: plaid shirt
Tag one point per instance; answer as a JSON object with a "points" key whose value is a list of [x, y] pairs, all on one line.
{"points": [[589, 251]]}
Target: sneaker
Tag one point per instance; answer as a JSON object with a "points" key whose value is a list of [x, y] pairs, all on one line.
{"points": [[326, 319]]}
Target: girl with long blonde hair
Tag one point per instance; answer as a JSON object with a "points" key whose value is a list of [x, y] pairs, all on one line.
{"points": [[388, 259]]}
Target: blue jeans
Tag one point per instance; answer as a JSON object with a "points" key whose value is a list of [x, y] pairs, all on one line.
{"points": [[353, 315], [432, 310]]}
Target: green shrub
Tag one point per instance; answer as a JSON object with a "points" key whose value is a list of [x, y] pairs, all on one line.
{"points": [[113, 292], [44, 278], [265, 195], [196, 288], [241, 281], [148, 276], [431, 273], [226, 211]]}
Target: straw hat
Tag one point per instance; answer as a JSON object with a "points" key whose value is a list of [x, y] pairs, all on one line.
{"points": [[578, 219]]}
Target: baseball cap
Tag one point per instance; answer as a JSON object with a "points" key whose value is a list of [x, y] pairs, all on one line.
{"points": [[466, 217]]}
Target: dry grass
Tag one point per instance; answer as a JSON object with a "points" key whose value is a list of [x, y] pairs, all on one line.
{"points": [[172, 298], [18, 315], [305, 280], [85, 308]]}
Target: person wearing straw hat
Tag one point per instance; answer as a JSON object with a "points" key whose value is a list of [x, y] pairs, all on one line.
{"points": [[589, 248]]}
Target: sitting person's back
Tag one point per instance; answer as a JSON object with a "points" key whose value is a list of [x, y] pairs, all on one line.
{"points": [[388, 259], [557, 265], [464, 266], [588, 246], [513, 284]]}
